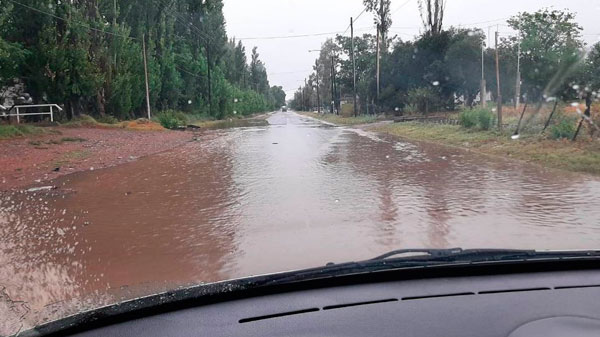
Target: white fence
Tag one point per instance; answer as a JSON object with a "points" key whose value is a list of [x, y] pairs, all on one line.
{"points": [[19, 114]]}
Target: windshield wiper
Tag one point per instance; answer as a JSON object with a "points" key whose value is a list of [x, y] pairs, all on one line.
{"points": [[475, 255]]}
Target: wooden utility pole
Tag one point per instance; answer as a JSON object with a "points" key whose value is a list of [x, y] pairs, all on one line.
{"points": [[377, 61], [209, 77], [305, 86], [482, 90], [499, 98], [332, 85], [146, 76], [353, 66], [518, 85], [318, 93], [302, 94]]}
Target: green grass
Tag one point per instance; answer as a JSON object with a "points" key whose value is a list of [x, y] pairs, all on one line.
{"points": [[73, 139], [581, 156], [12, 131]]}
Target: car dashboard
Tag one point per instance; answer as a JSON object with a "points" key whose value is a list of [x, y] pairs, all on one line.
{"points": [[553, 303]]}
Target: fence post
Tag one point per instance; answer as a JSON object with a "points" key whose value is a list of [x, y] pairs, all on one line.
{"points": [[51, 114], [18, 120]]}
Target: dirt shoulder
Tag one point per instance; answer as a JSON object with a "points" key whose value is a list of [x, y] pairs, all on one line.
{"points": [[58, 151], [582, 156]]}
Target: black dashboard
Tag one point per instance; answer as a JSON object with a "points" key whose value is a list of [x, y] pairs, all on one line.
{"points": [[553, 303]]}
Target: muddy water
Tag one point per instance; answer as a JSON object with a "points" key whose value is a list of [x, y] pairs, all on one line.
{"points": [[294, 194]]}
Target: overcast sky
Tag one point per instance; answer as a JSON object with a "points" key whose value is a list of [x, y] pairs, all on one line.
{"points": [[288, 60]]}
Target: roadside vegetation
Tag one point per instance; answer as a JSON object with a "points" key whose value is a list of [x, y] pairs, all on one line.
{"points": [[12, 131], [581, 156], [88, 59], [339, 120], [438, 74]]}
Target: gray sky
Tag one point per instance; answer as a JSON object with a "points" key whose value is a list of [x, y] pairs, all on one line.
{"points": [[289, 62]]}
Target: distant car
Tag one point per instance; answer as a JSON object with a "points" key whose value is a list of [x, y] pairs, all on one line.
{"points": [[284, 108]]}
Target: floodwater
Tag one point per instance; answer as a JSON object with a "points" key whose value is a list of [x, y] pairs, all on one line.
{"points": [[296, 193]]}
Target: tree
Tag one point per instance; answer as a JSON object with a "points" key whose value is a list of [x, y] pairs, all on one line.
{"points": [[432, 15], [550, 43], [87, 55], [382, 17], [463, 62], [258, 74], [278, 96]]}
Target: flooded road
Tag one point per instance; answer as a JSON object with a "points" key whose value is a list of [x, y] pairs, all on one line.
{"points": [[294, 194]]}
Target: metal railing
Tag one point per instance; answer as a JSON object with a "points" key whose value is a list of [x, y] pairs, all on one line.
{"points": [[20, 114]]}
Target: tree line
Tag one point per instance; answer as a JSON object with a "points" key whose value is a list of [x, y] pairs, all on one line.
{"points": [[88, 56], [441, 69]]}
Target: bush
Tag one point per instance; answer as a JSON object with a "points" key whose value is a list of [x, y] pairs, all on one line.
{"points": [[565, 128], [485, 118], [468, 118], [107, 119], [480, 117], [171, 119], [424, 99], [81, 121]]}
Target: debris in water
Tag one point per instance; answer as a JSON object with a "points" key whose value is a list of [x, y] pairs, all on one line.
{"points": [[43, 188]]}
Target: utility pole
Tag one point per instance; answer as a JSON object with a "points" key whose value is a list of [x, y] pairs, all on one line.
{"points": [[518, 86], [499, 98], [146, 76], [209, 78], [305, 86], [378, 65], [318, 94], [302, 102], [353, 66], [482, 90], [332, 86]]}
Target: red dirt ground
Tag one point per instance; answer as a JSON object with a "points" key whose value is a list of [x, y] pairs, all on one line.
{"points": [[33, 160]]}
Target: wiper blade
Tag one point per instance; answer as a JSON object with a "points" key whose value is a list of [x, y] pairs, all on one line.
{"points": [[475, 255], [424, 252]]}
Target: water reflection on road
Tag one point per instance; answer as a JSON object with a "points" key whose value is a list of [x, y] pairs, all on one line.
{"points": [[294, 194]]}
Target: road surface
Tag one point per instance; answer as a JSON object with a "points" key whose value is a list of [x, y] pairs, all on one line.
{"points": [[297, 193]]}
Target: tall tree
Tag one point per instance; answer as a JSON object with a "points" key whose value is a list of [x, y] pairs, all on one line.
{"points": [[432, 15], [551, 43], [382, 17]]}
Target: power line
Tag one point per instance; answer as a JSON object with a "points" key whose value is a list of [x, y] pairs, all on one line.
{"points": [[401, 6], [70, 21], [287, 36], [297, 36], [189, 72], [355, 19]]}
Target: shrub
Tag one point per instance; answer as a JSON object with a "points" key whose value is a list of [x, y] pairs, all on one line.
{"points": [[424, 99], [410, 109], [81, 121], [468, 118], [478, 117], [171, 119], [107, 119], [565, 128], [485, 118]]}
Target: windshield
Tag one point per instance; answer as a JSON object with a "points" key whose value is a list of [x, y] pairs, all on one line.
{"points": [[147, 146]]}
